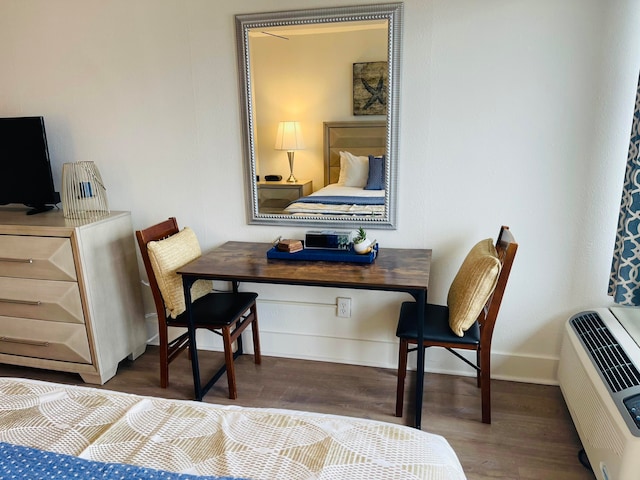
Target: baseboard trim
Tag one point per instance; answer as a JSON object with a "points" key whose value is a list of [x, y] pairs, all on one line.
{"points": [[383, 353]]}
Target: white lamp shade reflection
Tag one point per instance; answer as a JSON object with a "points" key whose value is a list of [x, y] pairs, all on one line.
{"points": [[289, 138]]}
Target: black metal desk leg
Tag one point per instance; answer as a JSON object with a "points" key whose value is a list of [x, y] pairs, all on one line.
{"points": [[421, 299], [240, 350], [186, 284]]}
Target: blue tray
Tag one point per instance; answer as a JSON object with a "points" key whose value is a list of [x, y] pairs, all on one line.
{"points": [[325, 255]]}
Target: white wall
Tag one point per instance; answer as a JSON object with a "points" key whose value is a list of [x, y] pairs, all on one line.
{"points": [[512, 113]]}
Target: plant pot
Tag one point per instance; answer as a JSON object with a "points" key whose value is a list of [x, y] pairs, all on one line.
{"points": [[362, 247]]}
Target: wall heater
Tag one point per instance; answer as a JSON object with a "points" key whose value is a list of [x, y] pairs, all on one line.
{"points": [[600, 379]]}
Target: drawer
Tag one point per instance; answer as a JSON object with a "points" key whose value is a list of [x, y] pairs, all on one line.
{"points": [[49, 258], [49, 340], [41, 299]]}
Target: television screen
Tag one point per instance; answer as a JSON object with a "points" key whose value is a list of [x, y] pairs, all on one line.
{"points": [[25, 170]]}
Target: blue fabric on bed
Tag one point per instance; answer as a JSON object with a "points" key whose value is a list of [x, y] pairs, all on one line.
{"points": [[22, 463], [375, 180], [339, 200]]}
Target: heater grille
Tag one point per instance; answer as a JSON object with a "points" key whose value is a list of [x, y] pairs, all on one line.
{"points": [[606, 353], [598, 375]]}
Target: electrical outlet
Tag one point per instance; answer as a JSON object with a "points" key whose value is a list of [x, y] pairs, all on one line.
{"points": [[344, 307]]}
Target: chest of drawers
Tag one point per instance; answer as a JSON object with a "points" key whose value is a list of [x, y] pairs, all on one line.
{"points": [[70, 295]]}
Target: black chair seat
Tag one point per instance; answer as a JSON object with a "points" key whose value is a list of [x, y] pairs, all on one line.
{"points": [[436, 325], [216, 310]]}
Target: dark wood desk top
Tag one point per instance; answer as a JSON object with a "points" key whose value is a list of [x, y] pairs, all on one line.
{"points": [[394, 269]]}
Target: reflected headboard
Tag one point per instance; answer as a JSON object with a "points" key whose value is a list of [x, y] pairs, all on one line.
{"points": [[358, 137]]}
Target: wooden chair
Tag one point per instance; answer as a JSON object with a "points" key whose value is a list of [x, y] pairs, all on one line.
{"points": [[438, 333], [226, 314]]}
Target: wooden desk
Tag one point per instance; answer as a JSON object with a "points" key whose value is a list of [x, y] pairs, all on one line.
{"points": [[397, 270]]}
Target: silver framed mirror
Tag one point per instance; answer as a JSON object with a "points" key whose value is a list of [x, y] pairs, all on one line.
{"points": [[319, 93]]}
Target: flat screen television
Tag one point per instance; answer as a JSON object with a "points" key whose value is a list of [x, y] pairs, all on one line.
{"points": [[25, 169]]}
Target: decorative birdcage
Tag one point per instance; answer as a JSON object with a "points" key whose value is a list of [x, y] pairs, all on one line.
{"points": [[83, 192]]}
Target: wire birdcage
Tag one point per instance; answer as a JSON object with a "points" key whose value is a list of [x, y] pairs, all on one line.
{"points": [[83, 192]]}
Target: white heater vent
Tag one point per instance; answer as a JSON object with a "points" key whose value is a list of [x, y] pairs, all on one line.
{"points": [[605, 352], [599, 377]]}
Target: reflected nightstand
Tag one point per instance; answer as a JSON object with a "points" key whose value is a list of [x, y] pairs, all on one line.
{"points": [[273, 197]]}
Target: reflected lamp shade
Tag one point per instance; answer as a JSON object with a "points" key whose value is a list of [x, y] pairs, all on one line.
{"points": [[289, 138]]}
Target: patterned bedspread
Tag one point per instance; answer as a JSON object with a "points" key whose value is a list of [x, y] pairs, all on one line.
{"points": [[340, 200], [205, 439]]}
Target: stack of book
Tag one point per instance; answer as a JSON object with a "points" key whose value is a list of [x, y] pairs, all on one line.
{"points": [[289, 245]]}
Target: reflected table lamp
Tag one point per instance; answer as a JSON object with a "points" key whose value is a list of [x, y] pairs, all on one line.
{"points": [[289, 138]]}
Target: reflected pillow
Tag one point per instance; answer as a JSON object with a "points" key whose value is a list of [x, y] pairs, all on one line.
{"points": [[354, 170], [343, 164], [375, 179], [472, 286], [169, 255]]}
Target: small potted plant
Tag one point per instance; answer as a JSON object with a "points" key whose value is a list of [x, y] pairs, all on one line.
{"points": [[360, 242]]}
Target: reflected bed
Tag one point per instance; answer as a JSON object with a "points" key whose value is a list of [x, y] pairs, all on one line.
{"points": [[354, 172], [340, 200]]}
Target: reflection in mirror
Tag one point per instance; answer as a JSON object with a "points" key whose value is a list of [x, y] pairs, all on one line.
{"points": [[334, 74]]}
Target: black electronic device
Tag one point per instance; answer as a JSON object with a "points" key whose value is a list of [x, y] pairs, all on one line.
{"points": [[273, 178], [25, 169], [329, 239]]}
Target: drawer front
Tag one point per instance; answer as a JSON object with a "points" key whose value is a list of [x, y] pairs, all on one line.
{"points": [[48, 340], [41, 300], [48, 258]]}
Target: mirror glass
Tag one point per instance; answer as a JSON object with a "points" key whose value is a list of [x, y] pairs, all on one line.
{"points": [[319, 97]]}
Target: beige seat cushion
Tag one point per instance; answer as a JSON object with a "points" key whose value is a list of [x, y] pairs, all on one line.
{"points": [[473, 285], [166, 257]]}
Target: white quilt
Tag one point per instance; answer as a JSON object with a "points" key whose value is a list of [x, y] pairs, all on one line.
{"points": [[207, 439]]}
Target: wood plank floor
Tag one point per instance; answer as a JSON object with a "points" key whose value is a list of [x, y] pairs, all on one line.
{"points": [[531, 437]]}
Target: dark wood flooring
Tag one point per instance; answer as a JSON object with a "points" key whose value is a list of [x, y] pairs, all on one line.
{"points": [[531, 437]]}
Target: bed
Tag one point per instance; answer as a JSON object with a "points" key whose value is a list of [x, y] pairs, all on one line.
{"points": [[88, 432], [354, 172]]}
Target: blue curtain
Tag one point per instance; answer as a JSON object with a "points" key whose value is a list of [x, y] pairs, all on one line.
{"points": [[624, 283]]}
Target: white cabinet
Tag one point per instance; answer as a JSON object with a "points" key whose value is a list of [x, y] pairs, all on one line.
{"points": [[70, 296]]}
